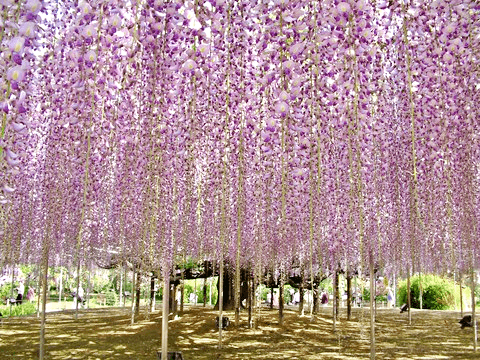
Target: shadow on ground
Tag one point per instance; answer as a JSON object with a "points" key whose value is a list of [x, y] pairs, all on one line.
{"points": [[107, 334]]}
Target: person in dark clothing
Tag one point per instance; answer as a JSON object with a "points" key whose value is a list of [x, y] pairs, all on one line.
{"points": [[20, 292], [466, 321], [324, 298]]}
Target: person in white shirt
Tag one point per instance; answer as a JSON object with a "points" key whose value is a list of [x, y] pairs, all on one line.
{"points": [[390, 299], [78, 297], [20, 292], [80, 293]]}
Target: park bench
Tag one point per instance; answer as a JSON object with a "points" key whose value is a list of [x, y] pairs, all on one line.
{"points": [[403, 308], [225, 322], [172, 355]]}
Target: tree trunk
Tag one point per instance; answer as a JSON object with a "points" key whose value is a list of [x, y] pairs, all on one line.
{"points": [[39, 282], [44, 303], [228, 290], [87, 294], [11, 290], [182, 288], [300, 304], [409, 301], [205, 291], [133, 296], [195, 290], [257, 299], [210, 292], [251, 291], [221, 287], [152, 294], [337, 297], [165, 311], [394, 290], [461, 297], [125, 278], [474, 320], [372, 313], [280, 302], [182, 294], [227, 296], [173, 304], [79, 271], [60, 290], [271, 298], [237, 292], [334, 318], [121, 288], [421, 290], [316, 299], [137, 296], [375, 296], [349, 297]]}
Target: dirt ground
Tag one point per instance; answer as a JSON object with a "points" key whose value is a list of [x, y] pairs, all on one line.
{"points": [[107, 334]]}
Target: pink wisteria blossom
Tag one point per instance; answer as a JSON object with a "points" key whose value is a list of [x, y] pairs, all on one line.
{"points": [[146, 127]]}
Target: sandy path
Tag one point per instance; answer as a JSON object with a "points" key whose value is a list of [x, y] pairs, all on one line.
{"points": [[107, 334]]}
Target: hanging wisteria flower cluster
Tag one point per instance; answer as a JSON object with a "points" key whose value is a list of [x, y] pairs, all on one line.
{"points": [[331, 132]]}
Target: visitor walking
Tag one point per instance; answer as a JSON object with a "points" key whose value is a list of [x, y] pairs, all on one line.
{"points": [[390, 301], [78, 297], [30, 294], [20, 292], [324, 298]]}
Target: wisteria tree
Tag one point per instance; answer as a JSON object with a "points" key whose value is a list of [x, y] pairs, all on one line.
{"points": [[319, 134]]}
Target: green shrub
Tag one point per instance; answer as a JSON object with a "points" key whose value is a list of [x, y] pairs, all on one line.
{"points": [[111, 298], [327, 285], [187, 290], [214, 292], [264, 293], [287, 297], [438, 293], [26, 308], [379, 298], [6, 291], [189, 287], [477, 293], [200, 293]]}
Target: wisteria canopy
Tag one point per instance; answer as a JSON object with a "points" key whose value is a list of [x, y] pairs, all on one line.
{"points": [[291, 132]]}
